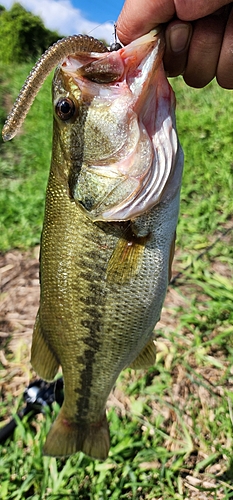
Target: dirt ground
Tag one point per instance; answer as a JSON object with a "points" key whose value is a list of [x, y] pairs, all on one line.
{"points": [[19, 299]]}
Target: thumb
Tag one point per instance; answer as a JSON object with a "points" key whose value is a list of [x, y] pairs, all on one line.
{"points": [[138, 17]]}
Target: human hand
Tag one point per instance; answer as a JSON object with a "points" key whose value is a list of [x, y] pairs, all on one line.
{"points": [[199, 36]]}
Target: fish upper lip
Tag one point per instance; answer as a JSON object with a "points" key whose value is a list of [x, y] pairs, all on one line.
{"points": [[123, 65], [143, 40], [140, 86]]}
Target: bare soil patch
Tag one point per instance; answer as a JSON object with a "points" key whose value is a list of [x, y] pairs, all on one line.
{"points": [[19, 301]]}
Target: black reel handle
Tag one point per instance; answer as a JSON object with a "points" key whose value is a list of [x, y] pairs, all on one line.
{"points": [[37, 395]]}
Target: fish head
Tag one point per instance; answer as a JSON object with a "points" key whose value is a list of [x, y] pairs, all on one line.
{"points": [[115, 141]]}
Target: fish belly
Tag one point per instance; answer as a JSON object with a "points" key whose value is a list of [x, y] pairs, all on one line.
{"points": [[95, 318]]}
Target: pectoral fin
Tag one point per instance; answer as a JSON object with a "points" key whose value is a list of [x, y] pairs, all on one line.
{"points": [[146, 358], [126, 259], [43, 359]]}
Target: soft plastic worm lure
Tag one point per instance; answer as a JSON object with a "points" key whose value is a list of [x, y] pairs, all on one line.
{"points": [[51, 58]]}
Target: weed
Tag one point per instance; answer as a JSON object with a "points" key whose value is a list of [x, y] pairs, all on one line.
{"points": [[171, 427]]}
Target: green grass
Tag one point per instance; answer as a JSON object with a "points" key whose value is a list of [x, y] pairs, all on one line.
{"points": [[24, 164], [205, 130], [206, 135], [171, 427]]}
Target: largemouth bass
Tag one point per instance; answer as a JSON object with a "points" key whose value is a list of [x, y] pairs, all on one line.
{"points": [[109, 229]]}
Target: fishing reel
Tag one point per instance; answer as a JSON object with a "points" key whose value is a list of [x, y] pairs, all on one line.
{"points": [[38, 395]]}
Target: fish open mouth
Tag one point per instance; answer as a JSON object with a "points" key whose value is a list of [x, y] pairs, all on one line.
{"points": [[129, 141], [125, 64], [131, 108]]}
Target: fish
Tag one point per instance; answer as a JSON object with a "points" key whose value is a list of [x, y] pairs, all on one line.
{"points": [[108, 237]]}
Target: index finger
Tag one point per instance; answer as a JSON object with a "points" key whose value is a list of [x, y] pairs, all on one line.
{"points": [[140, 16]]}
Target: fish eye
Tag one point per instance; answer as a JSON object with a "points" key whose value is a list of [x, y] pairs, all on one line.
{"points": [[65, 108]]}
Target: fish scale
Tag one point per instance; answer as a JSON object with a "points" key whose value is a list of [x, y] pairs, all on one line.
{"points": [[108, 237], [84, 276]]}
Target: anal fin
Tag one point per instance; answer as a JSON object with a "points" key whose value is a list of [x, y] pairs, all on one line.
{"points": [[146, 357], [43, 359]]}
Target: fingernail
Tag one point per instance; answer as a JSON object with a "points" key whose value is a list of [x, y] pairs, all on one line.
{"points": [[179, 37]]}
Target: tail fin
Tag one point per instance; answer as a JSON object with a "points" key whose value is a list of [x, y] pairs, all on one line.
{"points": [[66, 437]]}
